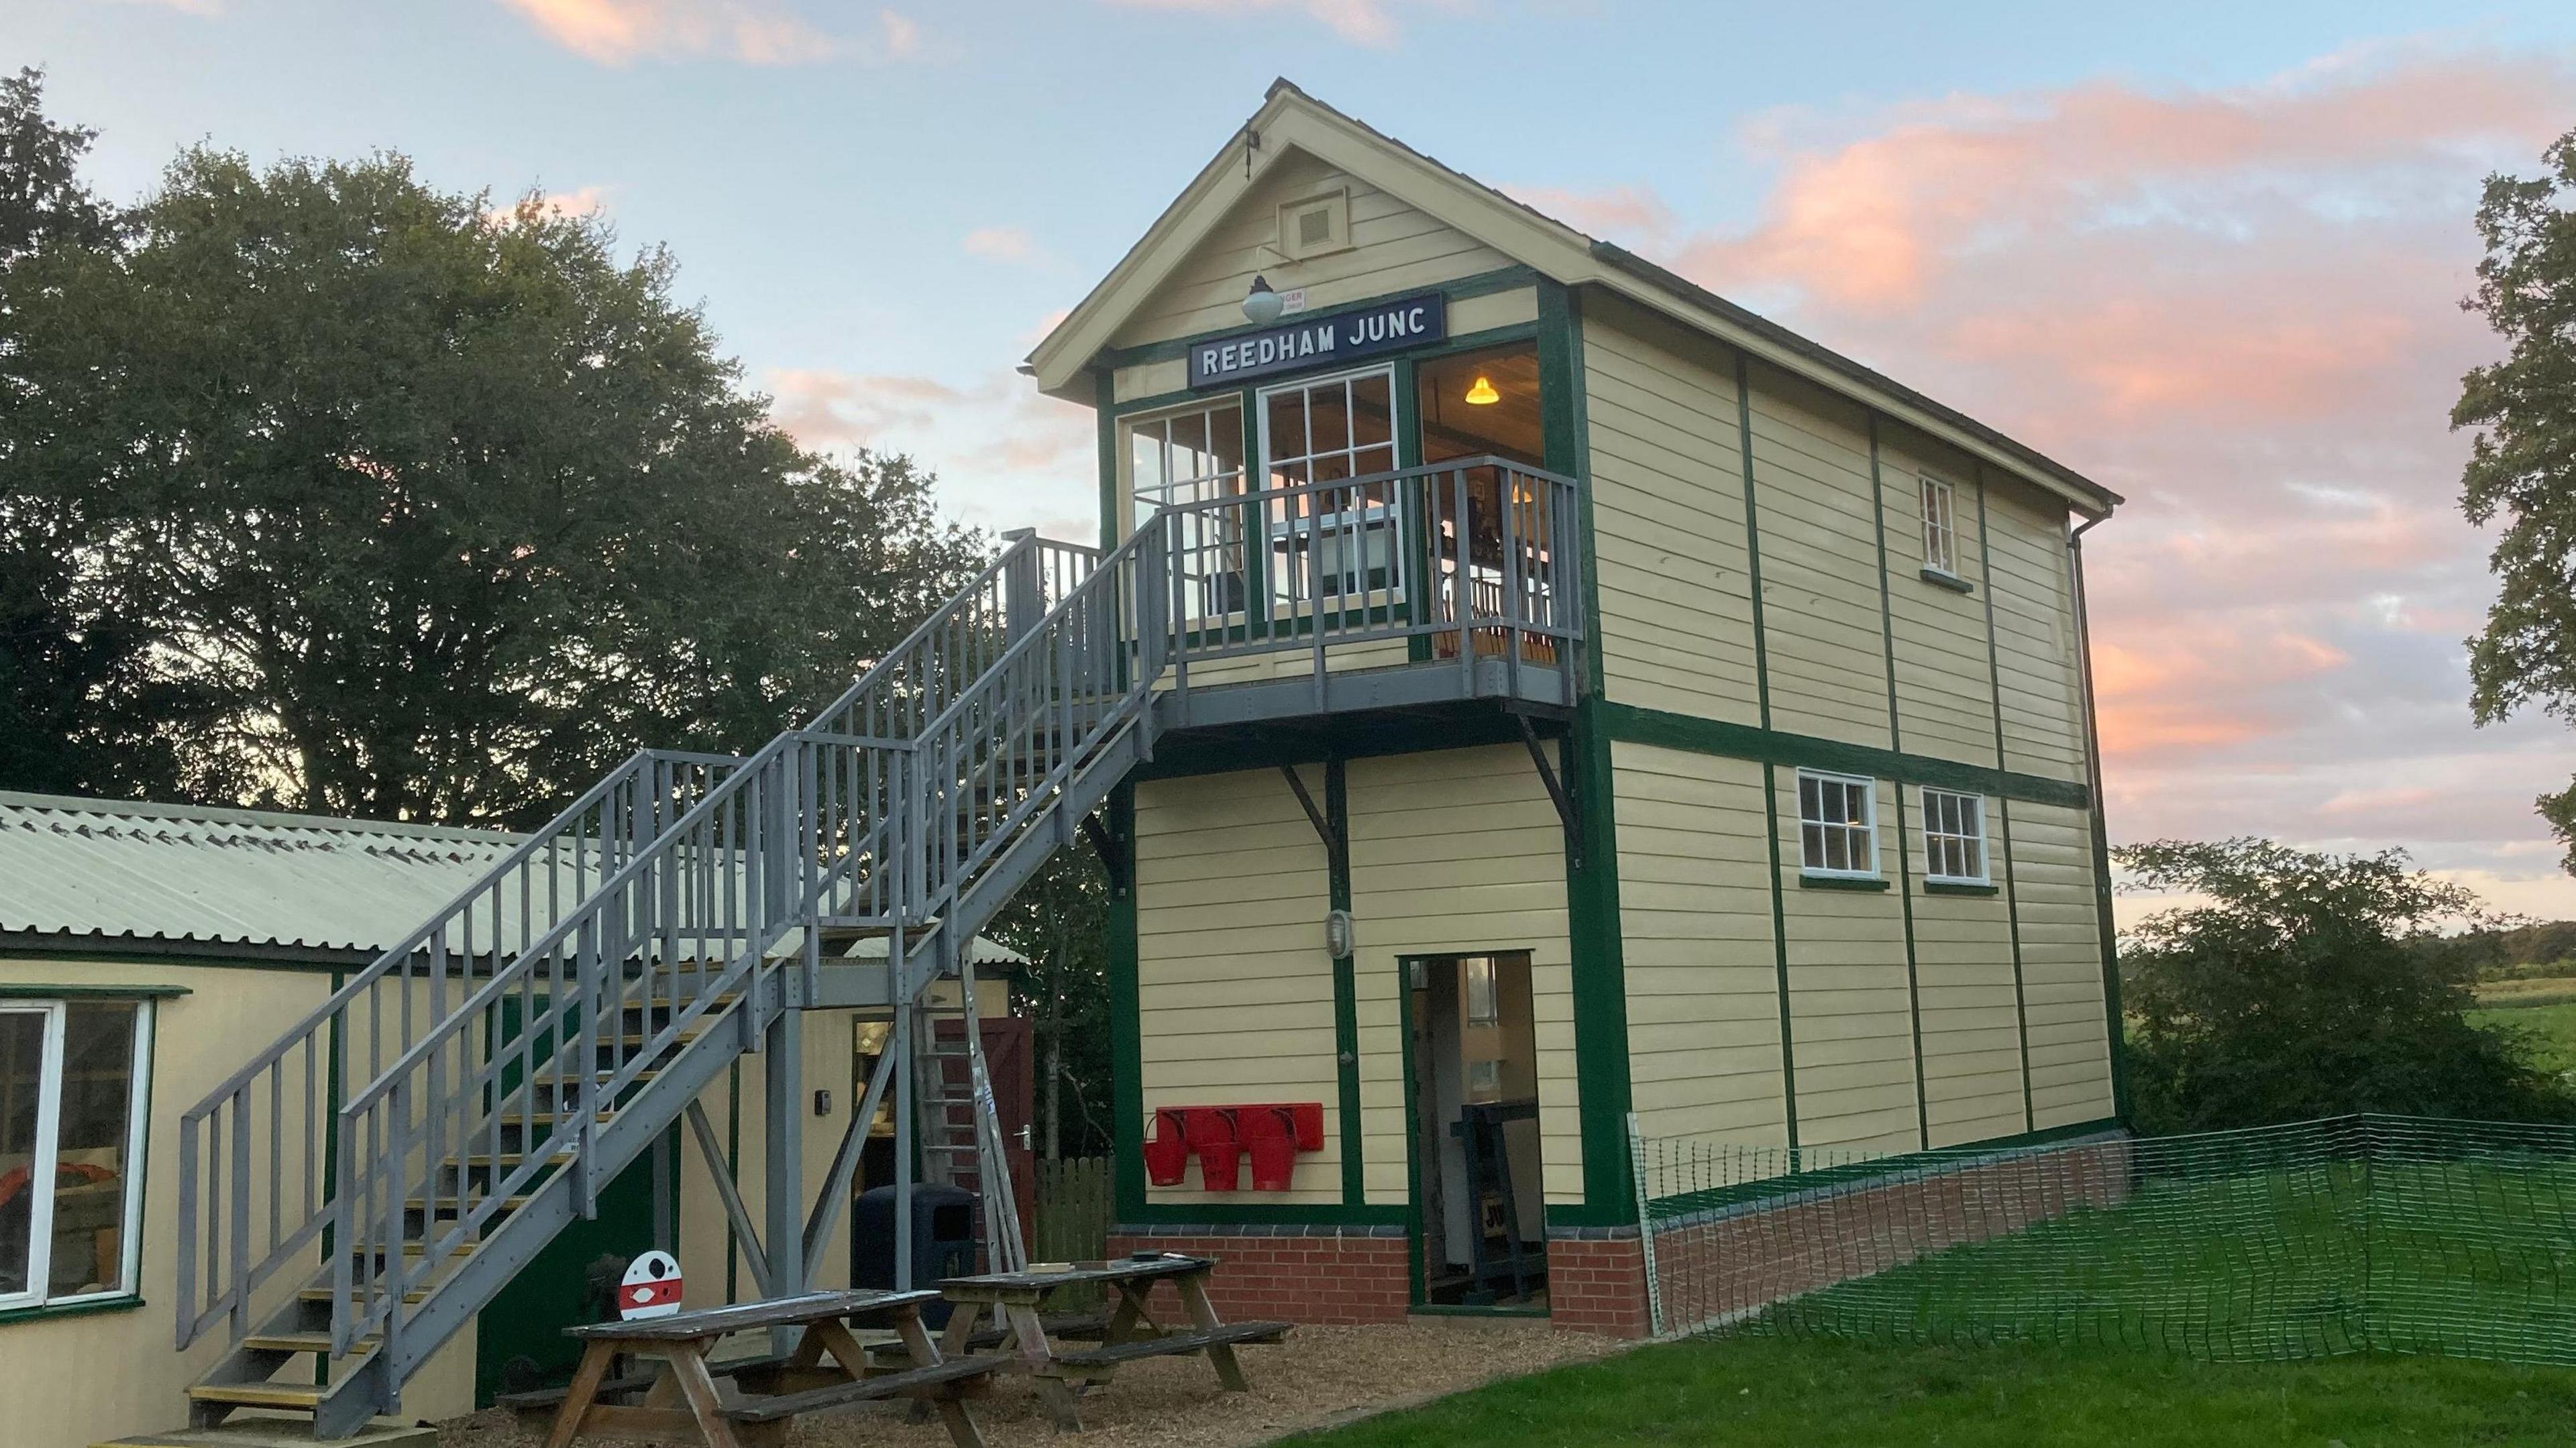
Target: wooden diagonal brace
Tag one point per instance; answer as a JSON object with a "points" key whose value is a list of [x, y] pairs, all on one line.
{"points": [[1555, 790]]}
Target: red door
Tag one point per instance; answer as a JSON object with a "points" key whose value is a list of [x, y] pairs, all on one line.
{"points": [[1010, 1060]]}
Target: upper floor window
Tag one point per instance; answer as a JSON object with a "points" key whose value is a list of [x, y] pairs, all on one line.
{"points": [[71, 1147], [1940, 526], [1837, 824], [1336, 541], [1189, 460], [1954, 837]]}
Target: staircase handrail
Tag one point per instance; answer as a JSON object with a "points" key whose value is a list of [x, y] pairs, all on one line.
{"points": [[647, 776]]}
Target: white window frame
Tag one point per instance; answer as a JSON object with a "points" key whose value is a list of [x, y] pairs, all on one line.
{"points": [[44, 1164], [1932, 873], [1868, 791], [1939, 503], [1371, 517], [1203, 544]]}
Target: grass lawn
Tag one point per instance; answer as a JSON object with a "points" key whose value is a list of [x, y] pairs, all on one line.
{"points": [[2551, 1026], [1815, 1393]]}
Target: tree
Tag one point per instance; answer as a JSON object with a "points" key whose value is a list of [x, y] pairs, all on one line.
{"points": [[441, 510], [2311, 985], [1060, 921], [2522, 461], [77, 697]]}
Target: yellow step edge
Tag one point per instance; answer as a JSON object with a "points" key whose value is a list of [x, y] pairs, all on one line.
{"points": [[258, 1395], [308, 1342]]}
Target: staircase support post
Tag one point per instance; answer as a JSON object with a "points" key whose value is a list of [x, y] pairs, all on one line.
{"points": [[783, 1127]]}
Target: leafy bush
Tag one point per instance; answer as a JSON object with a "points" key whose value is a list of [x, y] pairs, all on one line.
{"points": [[2301, 985]]}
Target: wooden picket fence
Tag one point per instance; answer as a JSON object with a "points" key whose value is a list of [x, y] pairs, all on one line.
{"points": [[1072, 1221]]}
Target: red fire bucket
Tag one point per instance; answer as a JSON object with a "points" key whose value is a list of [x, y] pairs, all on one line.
{"points": [[1167, 1154], [1220, 1165]]}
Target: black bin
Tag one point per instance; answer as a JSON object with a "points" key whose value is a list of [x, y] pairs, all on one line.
{"points": [[943, 1240]]}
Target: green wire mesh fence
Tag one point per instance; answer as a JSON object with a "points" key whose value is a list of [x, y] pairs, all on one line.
{"points": [[2355, 1234]]}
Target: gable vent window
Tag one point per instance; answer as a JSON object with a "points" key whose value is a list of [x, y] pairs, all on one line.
{"points": [[1315, 226]]}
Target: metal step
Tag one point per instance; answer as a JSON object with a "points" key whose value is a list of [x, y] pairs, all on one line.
{"points": [[281, 1433], [313, 1342]]}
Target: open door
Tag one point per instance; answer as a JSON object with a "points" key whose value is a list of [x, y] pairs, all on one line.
{"points": [[1474, 1098]]}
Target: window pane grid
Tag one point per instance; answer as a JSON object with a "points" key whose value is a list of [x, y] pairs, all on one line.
{"points": [[1940, 534], [1196, 457], [1344, 541], [1836, 825], [1954, 836]]}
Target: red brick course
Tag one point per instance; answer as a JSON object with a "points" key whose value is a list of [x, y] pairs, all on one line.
{"points": [[1597, 1285], [1330, 1280]]}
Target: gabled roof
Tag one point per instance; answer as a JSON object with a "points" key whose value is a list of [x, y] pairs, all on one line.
{"points": [[100, 875], [1290, 119]]}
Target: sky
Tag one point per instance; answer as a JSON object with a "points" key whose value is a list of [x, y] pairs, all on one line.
{"points": [[2209, 254]]}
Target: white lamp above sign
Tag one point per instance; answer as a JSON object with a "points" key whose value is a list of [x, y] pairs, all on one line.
{"points": [[1261, 304]]}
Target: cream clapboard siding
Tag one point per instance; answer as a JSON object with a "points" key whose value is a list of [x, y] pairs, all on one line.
{"points": [[1963, 969], [1458, 852], [1395, 248], [70, 1381], [1850, 1010], [2070, 1068], [1702, 971], [1235, 993], [1676, 626], [1944, 680], [1820, 605], [2035, 633]]}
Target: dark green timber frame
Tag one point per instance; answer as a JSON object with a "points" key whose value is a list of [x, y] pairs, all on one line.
{"points": [[1584, 760]]}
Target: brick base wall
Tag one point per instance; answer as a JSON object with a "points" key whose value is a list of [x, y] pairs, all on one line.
{"points": [[1333, 1276], [1596, 1283], [1733, 1261]]}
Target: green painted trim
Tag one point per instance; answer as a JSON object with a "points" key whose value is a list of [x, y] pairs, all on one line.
{"points": [[1417, 1282], [1479, 284], [1904, 835], [1593, 1214], [1595, 941], [1958, 887], [2115, 1024], [1951, 581], [2003, 807], [1126, 1023], [1268, 1214], [1183, 756], [67, 954], [122, 1303], [1346, 1007], [1566, 440], [1743, 741], [13, 990], [1796, 1182], [1104, 388], [1844, 882], [1770, 776]]}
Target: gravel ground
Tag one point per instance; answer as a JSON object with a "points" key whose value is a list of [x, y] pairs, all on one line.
{"points": [[1318, 1377]]}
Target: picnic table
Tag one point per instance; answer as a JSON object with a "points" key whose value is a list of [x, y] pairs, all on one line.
{"points": [[1012, 1299], [682, 1404]]}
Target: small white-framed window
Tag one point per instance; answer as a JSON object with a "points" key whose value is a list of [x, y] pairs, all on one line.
{"points": [[1954, 837], [1192, 460], [1940, 526], [1837, 824], [73, 1077]]}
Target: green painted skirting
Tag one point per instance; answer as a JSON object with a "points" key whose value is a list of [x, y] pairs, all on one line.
{"points": [[1633, 725], [1953, 887], [69, 1309], [15, 991], [1950, 581], [1271, 1214]]}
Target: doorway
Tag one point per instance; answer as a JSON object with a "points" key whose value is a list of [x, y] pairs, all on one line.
{"points": [[1472, 1096]]}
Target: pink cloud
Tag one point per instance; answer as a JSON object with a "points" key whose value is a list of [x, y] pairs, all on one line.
{"points": [[1001, 243], [1008, 457], [617, 32], [1370, 23]]}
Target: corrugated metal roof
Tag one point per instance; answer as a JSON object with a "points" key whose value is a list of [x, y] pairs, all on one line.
{"points": [[100, 872]]}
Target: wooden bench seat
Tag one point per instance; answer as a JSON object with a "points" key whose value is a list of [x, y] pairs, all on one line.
{"points": [[911, 1382], [547, 1400], [1174, 1342]]}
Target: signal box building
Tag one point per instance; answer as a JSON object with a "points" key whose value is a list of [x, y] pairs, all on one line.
{"points": [[1584, 698]]}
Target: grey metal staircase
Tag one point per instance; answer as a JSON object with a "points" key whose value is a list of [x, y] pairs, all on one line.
{"points": [[450, 1108]]}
